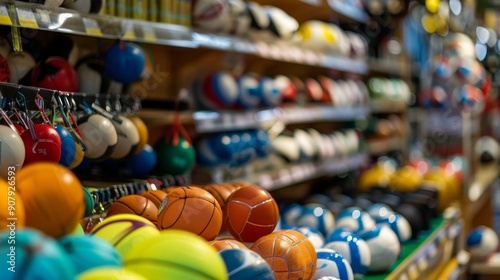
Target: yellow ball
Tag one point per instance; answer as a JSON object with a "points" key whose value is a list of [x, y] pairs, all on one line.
{"points": [[125, 231], [176, 254], [109, 273], [11, 206], [406, 179], [377, 176], [143, 132], [447, 185]]}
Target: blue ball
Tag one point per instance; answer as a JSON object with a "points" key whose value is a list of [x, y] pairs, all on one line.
{"points": [[379, 210], [353, 249], [398, 224], [261, 142], [88, 252], [481, 242], [143, 163], [317, 217], [244, 264], [242, 149], [125, 62], [269, 92], [331, 263], [355, 219], [68, 146], [28, 254], [215, 150], [317, 239], [338, 232], [289, 213], [249, 91]]}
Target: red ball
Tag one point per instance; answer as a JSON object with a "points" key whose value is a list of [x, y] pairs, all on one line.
{"points": [[46, 148], [55, 73], [251, 212], [421, 165]]}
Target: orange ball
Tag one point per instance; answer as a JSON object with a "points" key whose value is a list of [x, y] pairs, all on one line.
{"points": [[289, 253], [251, 212], [12, 207], [192, 209], [53, 198], [156, 196], [225, 244], [134, 204], [221, 192]]}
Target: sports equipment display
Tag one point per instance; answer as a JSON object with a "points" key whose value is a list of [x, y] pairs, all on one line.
{"points": [[99, 135], [244, 264], [134, 204], [384, 247], [331, 263], [12, 151]]}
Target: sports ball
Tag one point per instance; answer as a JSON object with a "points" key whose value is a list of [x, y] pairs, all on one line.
{"points": [[289, 253], [55, 73], [191, 209], [109, 273], [354, 249], [487, 150], [89, 202], [468, 98], [125, 62], [240, 20], [244, 264], [379, 211], [87, 252], [45, 189], [175, 159], [221, 192], [406, 179], [384, 247], [331, 263], [219, 90], [176, 254], [155, 196], [314, 91], [68, 146], [286, 147], [143, 163], [441, 68], [12, 206], [249, 91], [12, 152], [251, 212], [212, 15], [270, 93], [20, 64], [316, 35], [84, 6], [398, 224], [281, 24], [46, 147], [214, 150], [226, 244], [258, 17], [79, 154], [316, 237], [307, 146], [125, 231], [316, 217], [261, 142], [99, 135], [461, 45], [286, 87], [482, 242], [359, 45], [93, 79], [142, 129], [127, 140], [35, 256], [290, 212], [134, 204], [354, 219]]}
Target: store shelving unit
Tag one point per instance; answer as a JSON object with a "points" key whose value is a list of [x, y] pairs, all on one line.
{"points": [[378, 146]]}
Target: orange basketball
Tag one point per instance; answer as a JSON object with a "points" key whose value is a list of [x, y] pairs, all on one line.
{"points": [[251, 212], [289, 253], [225, 244], [192, 209], [12, 208], [156, 196], [52, 196], [221, 192], [134, 204]]}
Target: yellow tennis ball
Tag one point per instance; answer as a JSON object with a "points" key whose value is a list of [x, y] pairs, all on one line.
{"points": [[109, 273], [176, 254], [125, 231]]}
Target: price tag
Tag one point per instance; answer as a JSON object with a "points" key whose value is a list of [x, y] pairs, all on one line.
{"points": [[4, 15], [128, 30], [26, 18], [44, 16], [92, 27], [148, 33]]}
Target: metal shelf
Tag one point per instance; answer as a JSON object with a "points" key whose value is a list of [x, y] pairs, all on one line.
{"points": [[384, 145], [61, 20]]}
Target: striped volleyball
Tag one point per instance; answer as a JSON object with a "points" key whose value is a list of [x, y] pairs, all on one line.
{"points": [[354, 249], [398, 224], [355, 219], [331, 263], [317, 217], [384, 247]]}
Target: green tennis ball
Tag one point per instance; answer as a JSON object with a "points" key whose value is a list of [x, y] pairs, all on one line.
{"points": [[109, 273], [176, 254], [89, 202], [175, 160]]}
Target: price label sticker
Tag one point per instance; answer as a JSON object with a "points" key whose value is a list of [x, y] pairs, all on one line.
{"points": [[26, 18], [128, 30], [44, 16], [92, 27], [4, 15], [148, 33]]}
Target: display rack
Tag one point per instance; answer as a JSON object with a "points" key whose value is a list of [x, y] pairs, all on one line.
{"points": [[383, 106], [378, 146]]}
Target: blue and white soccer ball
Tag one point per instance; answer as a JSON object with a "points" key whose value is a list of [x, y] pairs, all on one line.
{"points": [[289, 213], [317, 217], [355, 219], [331, 263], [244, 264], [398, 224], [482, 242], [379, 210], [354, 249], [269, 92], [249, 91], [317, 239], [384, 247]]}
